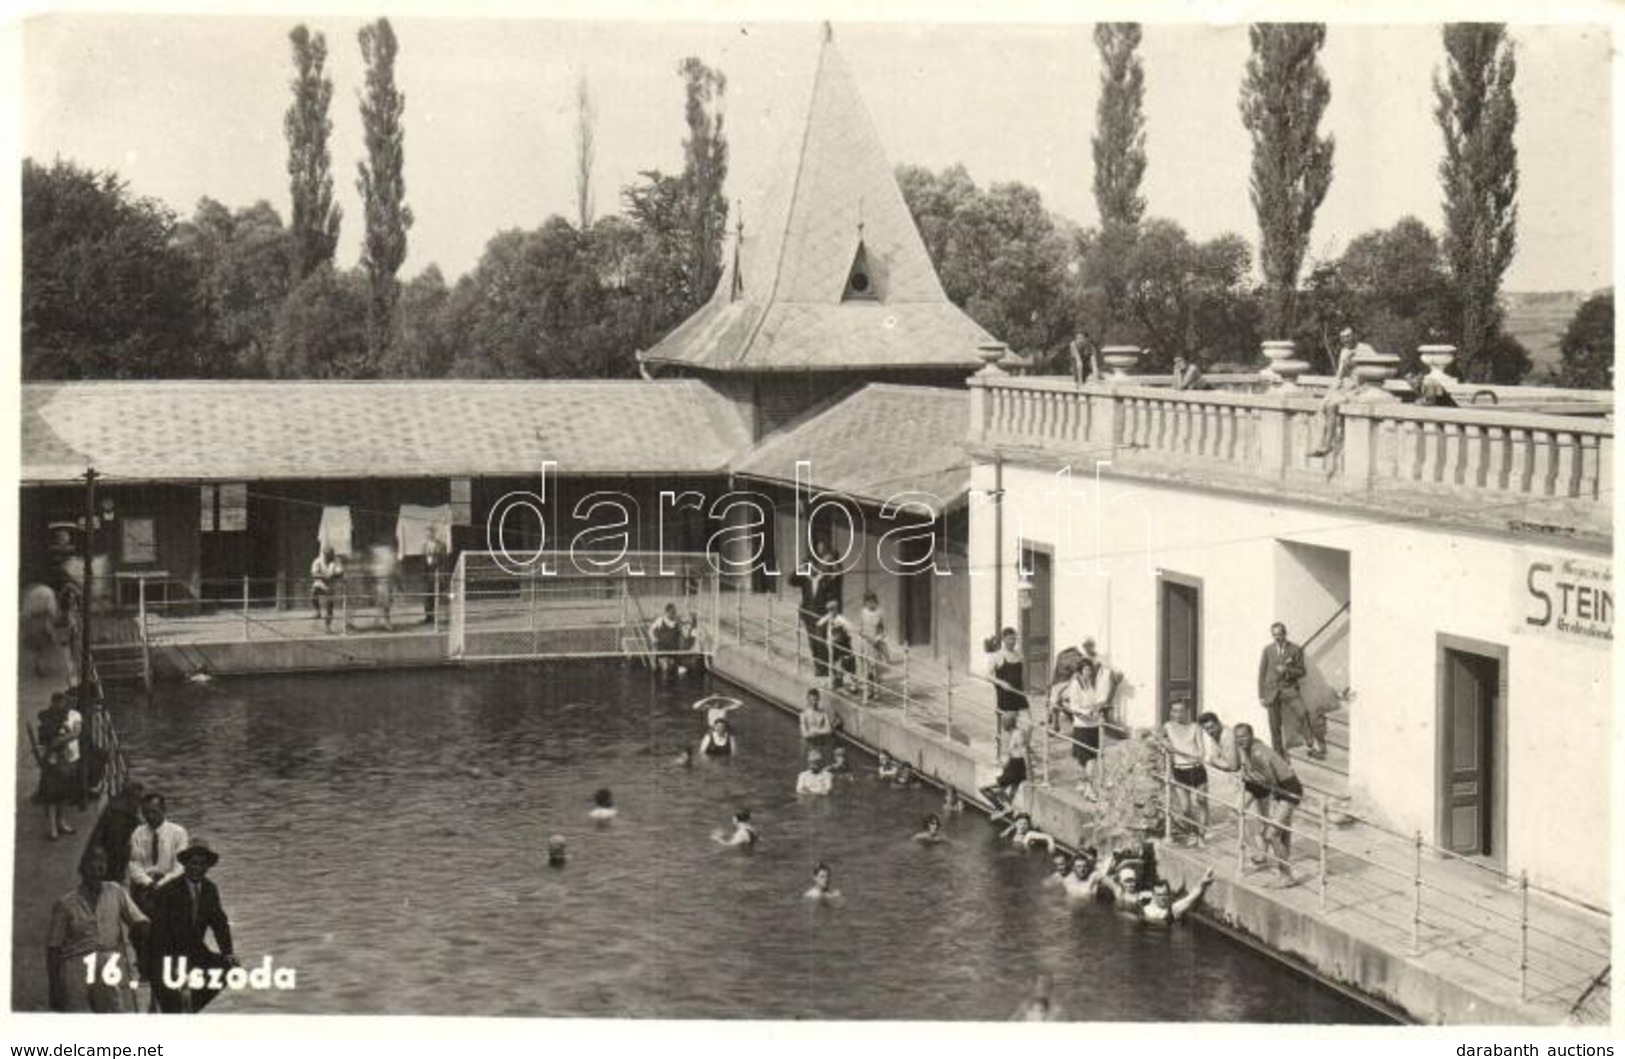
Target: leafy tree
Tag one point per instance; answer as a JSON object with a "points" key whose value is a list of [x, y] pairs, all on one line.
{"points": [[586, 152], [244, 265], [426, 339], [998, 253], [105, 292], [382, 184], [659, 261], [1283, 96], [1119, 141], [705, 169], [320, 332], [310, 178], [1476, 111], [1588, 345]]}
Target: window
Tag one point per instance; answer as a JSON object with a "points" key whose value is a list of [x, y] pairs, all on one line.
{"points": [[139, 540], [462, 502], [223, 508]]}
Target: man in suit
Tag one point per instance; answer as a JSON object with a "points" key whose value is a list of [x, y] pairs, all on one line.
{"points": [[820, 584], [184, 911], [1280, 670]]}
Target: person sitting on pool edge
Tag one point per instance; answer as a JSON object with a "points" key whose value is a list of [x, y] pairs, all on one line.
{"points": [[814, 779], [823, 888], [744, 835]]}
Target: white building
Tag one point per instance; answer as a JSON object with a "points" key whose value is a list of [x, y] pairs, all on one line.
{"points": [[1455, 563]]}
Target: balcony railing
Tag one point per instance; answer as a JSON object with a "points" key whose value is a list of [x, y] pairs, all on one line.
{"points": [[1476, 453]]}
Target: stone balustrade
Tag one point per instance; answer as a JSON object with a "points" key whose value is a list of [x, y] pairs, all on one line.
{"points": [[1480, 453]]}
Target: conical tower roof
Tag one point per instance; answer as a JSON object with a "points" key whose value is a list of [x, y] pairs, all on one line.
{"points": [[832, 273]]}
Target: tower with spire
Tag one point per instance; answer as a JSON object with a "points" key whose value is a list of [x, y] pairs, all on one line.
{"points": [[830, 287]]}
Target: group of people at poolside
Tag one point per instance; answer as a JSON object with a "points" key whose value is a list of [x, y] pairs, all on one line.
{"points": [[1083, 691], [846, 654], [141, 914]]}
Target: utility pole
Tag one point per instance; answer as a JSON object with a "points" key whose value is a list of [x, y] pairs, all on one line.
{"points": [[87, 554]]}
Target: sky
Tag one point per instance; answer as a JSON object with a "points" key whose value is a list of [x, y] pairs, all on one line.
{"points": [[186, 106]]}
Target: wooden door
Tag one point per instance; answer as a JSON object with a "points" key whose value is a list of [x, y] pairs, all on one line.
{"points": [[1181, 646], [1037, 620], [1472, 687]]}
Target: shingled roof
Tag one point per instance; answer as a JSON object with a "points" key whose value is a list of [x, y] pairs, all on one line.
{"points": [[236, 431], [883, 440], [779, 305]]}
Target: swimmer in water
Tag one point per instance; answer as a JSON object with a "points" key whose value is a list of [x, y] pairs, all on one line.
{"points": [[716, 707], [822, 888], [603, 806], [1060, 867], [1162, 908], [1038, 1007], [1083, 882], [815, 779], [838, 764], [885, 767], [904, 778], [951, 803], [1122, 881], [744, 835], [719, 741], [685, 759], [933, 831], [555, 851], [1021, 832]]}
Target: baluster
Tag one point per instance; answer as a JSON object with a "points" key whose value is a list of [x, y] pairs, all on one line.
{"points": [[1566, 446], [1522, 456]]}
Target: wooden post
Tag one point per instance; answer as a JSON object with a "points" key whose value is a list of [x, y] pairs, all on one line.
{"points": [[146, 645], [948, 731], [88, 553]]}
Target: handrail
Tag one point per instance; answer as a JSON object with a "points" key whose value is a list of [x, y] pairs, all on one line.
{"points": [[1347, 605]]}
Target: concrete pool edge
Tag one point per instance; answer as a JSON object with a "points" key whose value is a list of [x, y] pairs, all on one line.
{"points": [[1390, 981]]}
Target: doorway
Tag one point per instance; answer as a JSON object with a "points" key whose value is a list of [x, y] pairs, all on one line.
{"points": [[1037, 618], [1179, 604], [1472, 749]]}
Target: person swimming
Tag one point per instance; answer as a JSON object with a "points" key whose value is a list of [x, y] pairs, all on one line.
{"points": [[1038, 1006], [719, 741], [905, 777], [556, 851], [952, 803], [933, 830], [885, 767], [1163, 908], [685, 758], [815, 779], [838, 763], [823, 889], [1021, 832], [1083, 882], [744, 835], [1060, 867], [603, 806]]}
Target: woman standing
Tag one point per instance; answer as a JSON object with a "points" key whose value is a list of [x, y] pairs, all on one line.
{"points": [[59, 783], [871, 644], [1086, 699], [90, 933]]}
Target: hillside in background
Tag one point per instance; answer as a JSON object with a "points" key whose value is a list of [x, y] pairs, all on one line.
{"points": [[1538, 320]]}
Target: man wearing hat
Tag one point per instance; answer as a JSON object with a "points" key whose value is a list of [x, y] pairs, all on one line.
{"points": [[185, 909]]}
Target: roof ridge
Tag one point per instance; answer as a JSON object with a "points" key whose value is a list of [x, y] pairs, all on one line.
{"points": [[790, 206]]}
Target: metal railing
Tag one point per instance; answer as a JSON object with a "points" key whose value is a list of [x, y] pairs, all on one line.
{"points": [[1550, 948]]}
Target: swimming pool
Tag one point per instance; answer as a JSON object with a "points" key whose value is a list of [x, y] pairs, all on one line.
{"points": [[384, 834]]}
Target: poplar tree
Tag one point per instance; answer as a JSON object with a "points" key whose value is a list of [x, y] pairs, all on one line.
{"points": [[586, 152], [315, 226], [382, 185], [1283, 96], [1478, 115], [705, 168], [1119, 140]]}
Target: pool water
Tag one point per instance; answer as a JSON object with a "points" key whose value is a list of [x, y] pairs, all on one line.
{"points": [[385, 835]]}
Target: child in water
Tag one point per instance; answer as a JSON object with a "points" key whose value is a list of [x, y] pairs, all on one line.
{"points": [[744, 835], [603, 806], [904, 777]]}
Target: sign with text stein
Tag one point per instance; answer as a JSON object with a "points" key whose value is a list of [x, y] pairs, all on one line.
{"points": [[1566, 597]]}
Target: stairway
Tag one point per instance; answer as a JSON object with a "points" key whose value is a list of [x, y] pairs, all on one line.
{"points": [[1330, 775]]}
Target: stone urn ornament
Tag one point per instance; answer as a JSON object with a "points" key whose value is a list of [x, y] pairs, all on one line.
{"points": [[1284, 366], [1119, 359], [1372, 369], [991, 353], [1437, 358]]}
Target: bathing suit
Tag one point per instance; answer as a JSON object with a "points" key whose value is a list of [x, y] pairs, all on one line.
{"points": [[713, 748]]}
